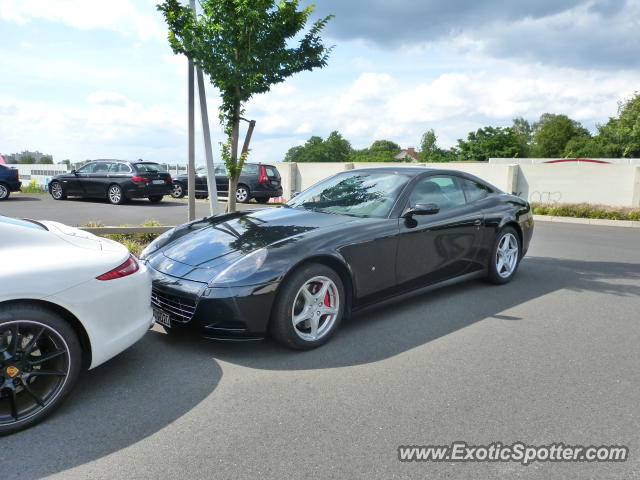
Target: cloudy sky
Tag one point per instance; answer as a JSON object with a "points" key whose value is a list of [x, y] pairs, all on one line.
{"points": [[96, 79]]}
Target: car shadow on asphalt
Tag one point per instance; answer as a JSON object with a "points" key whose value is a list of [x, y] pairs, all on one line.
{"points": [[132, 396], [135, 202], [164, 377], [386, 331], [24, 197]]}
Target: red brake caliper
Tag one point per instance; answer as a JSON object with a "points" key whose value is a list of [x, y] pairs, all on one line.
{"points": [[327, 300]]}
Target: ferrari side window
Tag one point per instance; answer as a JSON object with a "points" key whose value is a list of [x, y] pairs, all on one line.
{"points": [[443, 190]]}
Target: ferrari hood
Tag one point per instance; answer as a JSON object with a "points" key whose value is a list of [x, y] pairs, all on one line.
{"points": [[222, 240]]}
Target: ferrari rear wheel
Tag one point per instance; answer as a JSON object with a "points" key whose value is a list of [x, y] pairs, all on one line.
{"points": [[309, 307], [40, 359], [505, 256]]}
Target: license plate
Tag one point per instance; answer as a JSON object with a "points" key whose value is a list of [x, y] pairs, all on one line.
{"points": [[162, 318], [158, 182]]}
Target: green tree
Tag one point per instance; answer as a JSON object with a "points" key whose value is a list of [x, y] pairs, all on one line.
{"points": [[524, 132], [581, 147], [46, 159], [490, 142], [293, 153], [245, 46], [428, 144], [552, 133], [27, 159], [431, 153], [620, 136], [379, 151], [334, 149]]}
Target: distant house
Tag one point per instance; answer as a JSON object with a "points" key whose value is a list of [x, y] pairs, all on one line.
{"points": [[408, 155]]}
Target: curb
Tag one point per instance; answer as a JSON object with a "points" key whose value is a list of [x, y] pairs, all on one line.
{"points": [[587, 221]]}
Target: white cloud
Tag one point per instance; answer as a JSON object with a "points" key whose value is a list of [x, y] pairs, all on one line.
{"points": [[108, 126], [376, 106], [124, 16]]}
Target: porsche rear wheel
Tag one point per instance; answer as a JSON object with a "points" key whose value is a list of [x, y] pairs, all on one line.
{"points": [[40, 359], [309, 307]]}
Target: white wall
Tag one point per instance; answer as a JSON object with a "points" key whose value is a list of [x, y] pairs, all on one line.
{"points": [[521, 161], [616, 185]]}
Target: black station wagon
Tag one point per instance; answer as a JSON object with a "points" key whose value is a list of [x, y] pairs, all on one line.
{"points": [[115, 180]]}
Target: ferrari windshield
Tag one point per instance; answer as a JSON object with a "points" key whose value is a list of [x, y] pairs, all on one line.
{"points": [[360, 194]]}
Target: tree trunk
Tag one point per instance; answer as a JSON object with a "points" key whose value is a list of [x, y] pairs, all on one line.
{"points": [[231, 203]]}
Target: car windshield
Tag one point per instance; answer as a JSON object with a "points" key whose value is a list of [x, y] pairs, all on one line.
{"points": [[150, 168], [22, 223], [360, 194]]}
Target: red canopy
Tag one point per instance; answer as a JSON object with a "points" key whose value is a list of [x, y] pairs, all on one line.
{"points": [[2, 159]]}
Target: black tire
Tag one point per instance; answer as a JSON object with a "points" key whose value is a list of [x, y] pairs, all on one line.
{"points": [[201, 196], [178, 190], [4, 191], [115, 194], [281, 323], [243, 194], [57, 191], [156, 198], [51, 389], [504, 276], [263, 200]]}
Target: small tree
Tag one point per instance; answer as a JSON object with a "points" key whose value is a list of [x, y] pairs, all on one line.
{"points": [[244, 46]]}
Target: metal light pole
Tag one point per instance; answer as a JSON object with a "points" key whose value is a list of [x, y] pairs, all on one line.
{"points": [[206, 133], [191, 167], [211, 177]]}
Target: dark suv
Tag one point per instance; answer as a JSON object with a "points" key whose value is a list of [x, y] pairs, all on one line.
{"points": [[115, 180], [9, 181], [257, 180]]}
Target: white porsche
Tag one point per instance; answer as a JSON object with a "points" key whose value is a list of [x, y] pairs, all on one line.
{"points": [[68, 300]]}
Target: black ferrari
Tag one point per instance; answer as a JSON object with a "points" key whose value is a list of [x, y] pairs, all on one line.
{"points": [[354, 239]]}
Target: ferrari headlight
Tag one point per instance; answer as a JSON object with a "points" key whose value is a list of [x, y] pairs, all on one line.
{"points": [[242, 268]]}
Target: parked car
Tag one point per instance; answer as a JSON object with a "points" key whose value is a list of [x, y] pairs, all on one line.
{"points": [[354, 239], [9, 181], [115, 180], [257, 180], [69, 300]]}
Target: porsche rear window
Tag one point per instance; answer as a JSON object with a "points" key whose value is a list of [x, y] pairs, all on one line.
{"points": [[22, 223]]}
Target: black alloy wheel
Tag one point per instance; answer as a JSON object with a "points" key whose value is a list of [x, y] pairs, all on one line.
{"points": [[39, 363]]}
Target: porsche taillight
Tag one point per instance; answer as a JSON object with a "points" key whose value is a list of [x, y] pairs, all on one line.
{"points": [[127, 268]]}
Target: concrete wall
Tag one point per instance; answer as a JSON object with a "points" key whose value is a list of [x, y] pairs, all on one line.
{"points": [[616, 185], [521, 161]]}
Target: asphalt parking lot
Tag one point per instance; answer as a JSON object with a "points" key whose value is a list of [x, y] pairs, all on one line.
{"points": [[78, 211], [551, 357]]}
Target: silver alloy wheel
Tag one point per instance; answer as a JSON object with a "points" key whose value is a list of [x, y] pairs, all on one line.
{"points": [[177, 190], [315, 308], [242, 194], [56, 190], [115, 194], [507, 255], [4, 192]]}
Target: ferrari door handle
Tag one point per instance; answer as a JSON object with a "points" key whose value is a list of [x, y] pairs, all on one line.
{"points": [[477, 222]]}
